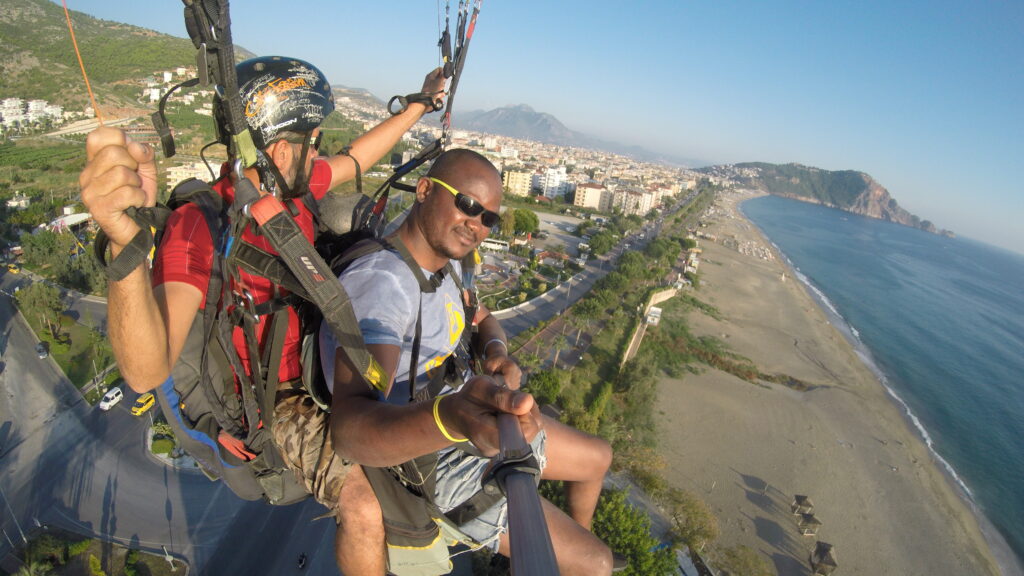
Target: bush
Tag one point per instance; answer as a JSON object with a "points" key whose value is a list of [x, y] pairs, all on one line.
{"points": [[628, 531], [95, 566], [692, 520], [742, 561], [77, 548]]}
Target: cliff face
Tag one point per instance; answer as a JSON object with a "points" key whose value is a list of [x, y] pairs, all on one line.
{"points": [[875, 202], [847, 190]]}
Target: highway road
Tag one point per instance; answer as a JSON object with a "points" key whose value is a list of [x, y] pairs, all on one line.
{"points": [[555, 301], [66, 464]]}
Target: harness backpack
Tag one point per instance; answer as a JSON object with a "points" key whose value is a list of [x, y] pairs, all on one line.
{"points": [[220, 412]]}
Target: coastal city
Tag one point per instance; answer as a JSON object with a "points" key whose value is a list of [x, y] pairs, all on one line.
{"points": [[675, 312]]}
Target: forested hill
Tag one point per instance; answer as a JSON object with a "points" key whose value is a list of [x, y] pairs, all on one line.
{"points": [[847, 190], [37, 59]]}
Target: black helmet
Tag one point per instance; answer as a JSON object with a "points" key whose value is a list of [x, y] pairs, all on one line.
{"points": [[280, 95]]}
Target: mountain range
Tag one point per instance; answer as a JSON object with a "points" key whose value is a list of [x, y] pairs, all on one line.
{"points": [[522, 121]]}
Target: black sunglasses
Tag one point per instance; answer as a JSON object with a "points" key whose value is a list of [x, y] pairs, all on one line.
{"points": [[469, 206]]}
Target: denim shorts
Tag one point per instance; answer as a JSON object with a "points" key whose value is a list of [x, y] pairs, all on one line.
{"points": [[458, 478]]}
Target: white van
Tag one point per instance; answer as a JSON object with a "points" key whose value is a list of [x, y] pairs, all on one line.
{"points": [[113, 396]]}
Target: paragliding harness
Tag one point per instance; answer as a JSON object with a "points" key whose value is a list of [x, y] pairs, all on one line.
{"points": [[220, 409], [417, 532]]}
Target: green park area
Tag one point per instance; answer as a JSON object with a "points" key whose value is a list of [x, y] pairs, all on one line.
{"points": [[58, 553]]}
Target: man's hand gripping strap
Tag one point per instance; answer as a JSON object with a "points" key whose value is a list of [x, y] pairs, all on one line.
{"points": [[150, 220], [323, 288]]}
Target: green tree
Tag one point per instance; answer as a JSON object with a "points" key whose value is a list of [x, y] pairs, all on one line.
{"points": [[741, 561], [526, 221], [663, 250], [44, 247], [582, 227], [95, 566], [633, 265], [528, 362], [507, 223], [546, 385], [559, 343], [692, 520], [601, 243], [43, 301], [33, 567], [628, 531]]}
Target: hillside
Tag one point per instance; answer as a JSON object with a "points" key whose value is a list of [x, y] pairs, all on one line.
{"points": [[37, 59], [848, 190]]}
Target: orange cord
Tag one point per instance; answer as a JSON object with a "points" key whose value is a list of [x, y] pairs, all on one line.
{"points": [[88, 87]]}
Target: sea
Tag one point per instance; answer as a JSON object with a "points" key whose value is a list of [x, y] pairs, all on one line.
{"points": [[941, 323]]}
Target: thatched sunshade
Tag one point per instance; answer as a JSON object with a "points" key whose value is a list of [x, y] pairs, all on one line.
{"points": [[808, 524], [802, 505], [823, 559]]}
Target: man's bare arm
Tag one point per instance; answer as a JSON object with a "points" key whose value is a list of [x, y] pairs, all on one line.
{"points": [[369, 148], [120, 174], [376, 433], [492, 349]]}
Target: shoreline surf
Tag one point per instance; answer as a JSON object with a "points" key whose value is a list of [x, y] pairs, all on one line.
{"points": [[1009, 562]]}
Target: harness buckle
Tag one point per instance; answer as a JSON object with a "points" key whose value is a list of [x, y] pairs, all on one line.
{"points": [[507, 463], [245, 302]]}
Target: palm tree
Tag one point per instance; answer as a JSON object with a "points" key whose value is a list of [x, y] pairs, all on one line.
{"points": [[559, 344], [529, 362], [33, 567]]}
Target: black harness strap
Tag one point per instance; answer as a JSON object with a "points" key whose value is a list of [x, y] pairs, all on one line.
{"points": [[320, 284]]}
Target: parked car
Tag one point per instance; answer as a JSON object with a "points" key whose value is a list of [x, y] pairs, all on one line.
{"points": [[113, 396], [143, 404], [13, 268], [42, 350]]}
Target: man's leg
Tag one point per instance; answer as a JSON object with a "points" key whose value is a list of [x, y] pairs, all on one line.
{"points": [[581, 461], [359, 544], [577, 551]]}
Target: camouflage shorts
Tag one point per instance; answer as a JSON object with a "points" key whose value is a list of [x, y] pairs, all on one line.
{"points": [[302, 431]]}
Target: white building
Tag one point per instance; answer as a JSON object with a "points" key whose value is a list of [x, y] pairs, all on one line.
{"points": [[19, 201], [552, 182], [176, 174]]}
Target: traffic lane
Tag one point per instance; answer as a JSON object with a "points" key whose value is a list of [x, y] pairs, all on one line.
{"points": [[33, 390], [91, 473], [265, 539]]}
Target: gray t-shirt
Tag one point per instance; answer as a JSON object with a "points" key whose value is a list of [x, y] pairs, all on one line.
{"points": [[385, 297]]}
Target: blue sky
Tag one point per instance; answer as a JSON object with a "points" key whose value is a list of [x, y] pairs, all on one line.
{"points": [[926, 96]]}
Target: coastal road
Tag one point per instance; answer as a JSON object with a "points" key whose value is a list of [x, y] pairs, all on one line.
{"points": [[555, 301]]}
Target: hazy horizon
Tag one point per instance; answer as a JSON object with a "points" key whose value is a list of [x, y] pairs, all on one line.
{"points": [[927, 98]]}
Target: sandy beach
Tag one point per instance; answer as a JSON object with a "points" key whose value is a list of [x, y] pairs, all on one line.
{"points": [[747, 450]]}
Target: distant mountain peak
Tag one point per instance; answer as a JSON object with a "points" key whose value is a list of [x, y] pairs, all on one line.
{"points": [[523, 122]]}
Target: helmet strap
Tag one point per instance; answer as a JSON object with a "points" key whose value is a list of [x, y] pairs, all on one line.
{"points": [[274, 180], [275, 183], [301, 178]]}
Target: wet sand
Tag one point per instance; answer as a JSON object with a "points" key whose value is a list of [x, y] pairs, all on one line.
{"points": [[884, 503]]}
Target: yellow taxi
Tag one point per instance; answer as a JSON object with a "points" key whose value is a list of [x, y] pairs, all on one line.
{"points": [[13, 268], [143, 403]]}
